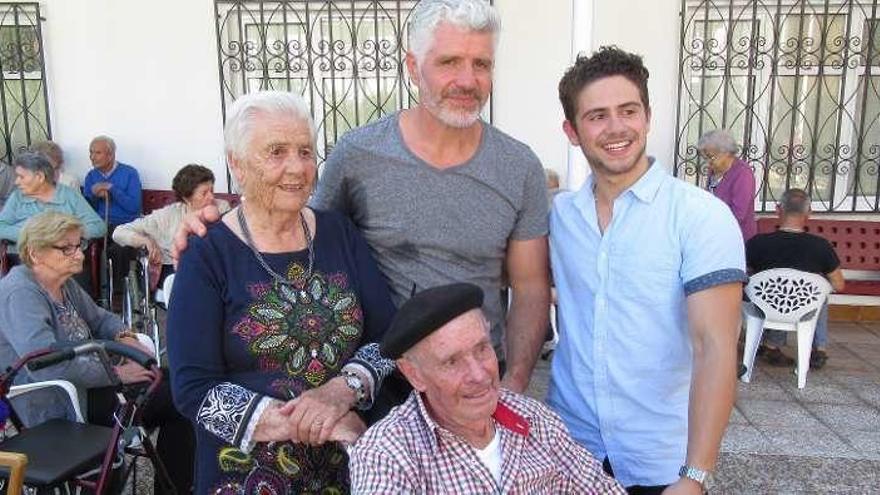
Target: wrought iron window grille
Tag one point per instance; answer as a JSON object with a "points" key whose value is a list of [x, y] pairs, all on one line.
{"points": [[797, 82], [24, 101], [346, 57]]}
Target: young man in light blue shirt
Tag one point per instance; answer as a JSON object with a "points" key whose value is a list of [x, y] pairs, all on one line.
{"points": [[649, 274]]}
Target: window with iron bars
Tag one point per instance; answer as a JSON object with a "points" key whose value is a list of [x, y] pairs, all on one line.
{"points": [[347, 58], [797, 82], [24, 108]]}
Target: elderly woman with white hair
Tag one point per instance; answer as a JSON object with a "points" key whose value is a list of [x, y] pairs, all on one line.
{"points": [[730, 178], [275, 318], [38, 192]]}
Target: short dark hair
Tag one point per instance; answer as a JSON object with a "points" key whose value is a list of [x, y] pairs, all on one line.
{"points": [[189, 178], [795, 201], [606, 62]]}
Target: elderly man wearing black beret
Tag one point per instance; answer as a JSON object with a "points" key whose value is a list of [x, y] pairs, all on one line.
{"points": [[459, 432]]}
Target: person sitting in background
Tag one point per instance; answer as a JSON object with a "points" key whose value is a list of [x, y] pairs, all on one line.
{"points": [[552, 184], [194, 188], [459, 431], [7, 182], [730, 179], [38, 192], [118, 184], [41, 306], [56, 158], [791, 247]]}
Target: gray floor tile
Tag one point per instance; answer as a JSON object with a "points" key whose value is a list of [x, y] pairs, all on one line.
{"points": [[785, 414], [737, 418], [815, 441], [744, 438], [762, 388], [824, 389], [774, 474], [847, 417], [866, 442]]}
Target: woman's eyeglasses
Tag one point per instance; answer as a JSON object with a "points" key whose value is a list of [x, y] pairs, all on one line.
{"points": [[708, 156], [70, 249]]}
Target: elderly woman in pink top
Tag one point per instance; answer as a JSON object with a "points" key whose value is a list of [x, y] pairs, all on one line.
{"points": [[730, 179]]}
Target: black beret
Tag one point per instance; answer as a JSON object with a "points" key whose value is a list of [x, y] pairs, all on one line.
{"points": [[426, 312]]}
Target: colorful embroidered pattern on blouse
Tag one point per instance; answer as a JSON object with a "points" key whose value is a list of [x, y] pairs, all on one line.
{"points": [[286, 468], [303, 332]]}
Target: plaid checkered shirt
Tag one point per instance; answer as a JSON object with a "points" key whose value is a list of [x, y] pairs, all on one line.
{"points": [[408, 452]]}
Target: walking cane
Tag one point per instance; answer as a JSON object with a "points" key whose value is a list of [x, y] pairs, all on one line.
{"points": [[106, 296]]}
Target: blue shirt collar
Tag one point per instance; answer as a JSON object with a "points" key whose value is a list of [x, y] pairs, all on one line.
{"points": [[645, 189]]}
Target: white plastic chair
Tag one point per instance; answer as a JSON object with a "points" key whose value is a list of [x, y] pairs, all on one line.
{"points": [[164, 294], [787, 300], [65, 385]]}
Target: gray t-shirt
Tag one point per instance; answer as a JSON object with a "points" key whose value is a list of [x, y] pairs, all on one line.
{"points": [[427, 226]]}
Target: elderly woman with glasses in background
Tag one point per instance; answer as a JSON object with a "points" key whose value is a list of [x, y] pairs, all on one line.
{"points": [[730, 178], [40, 306]]}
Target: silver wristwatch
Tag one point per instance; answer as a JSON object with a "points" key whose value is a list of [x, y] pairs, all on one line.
{"points": [[695, 474], [354, 382]]}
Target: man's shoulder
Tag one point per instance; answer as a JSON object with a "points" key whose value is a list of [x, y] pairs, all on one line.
{"points": [[690, 202], [128, 169], [506, 141], [533, 410], [401, 423]]}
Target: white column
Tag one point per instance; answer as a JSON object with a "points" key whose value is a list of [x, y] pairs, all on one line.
{"points": [[583, 13]]}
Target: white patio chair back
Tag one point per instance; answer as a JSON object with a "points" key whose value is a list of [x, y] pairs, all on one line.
{"points": [[786, 295], [788, 300]]}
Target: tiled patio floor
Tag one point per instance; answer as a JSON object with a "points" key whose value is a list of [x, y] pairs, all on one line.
{"points": [[822, 439]]}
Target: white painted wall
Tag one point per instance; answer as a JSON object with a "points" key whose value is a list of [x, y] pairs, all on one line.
{"points": [[144, 73], [533, 52]]}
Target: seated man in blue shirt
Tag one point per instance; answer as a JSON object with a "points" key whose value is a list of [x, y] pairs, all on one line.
{"points": [[118, 184], [649, 273]]}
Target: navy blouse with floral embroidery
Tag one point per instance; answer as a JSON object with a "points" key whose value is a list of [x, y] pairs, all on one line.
{"points": [[235, 337]]}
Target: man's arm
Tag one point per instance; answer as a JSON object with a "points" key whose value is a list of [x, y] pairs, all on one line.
{"points": [[528, 270], [714, 322], [836, 279], [374, 471]]}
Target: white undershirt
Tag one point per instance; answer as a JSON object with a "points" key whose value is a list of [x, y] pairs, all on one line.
{"points": [[491, 456]]}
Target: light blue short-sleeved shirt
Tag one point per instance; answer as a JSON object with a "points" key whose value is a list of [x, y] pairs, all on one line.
{"points": [[622, 370]]}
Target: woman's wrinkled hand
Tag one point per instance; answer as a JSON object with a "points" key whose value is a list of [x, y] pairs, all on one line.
{"points": [[348, 429], [317, 411], [193, 223], [154, 252], [274, 424], [131, 372]]}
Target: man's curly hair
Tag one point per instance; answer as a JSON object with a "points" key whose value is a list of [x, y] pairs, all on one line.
{"points": [[607, 61]]}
